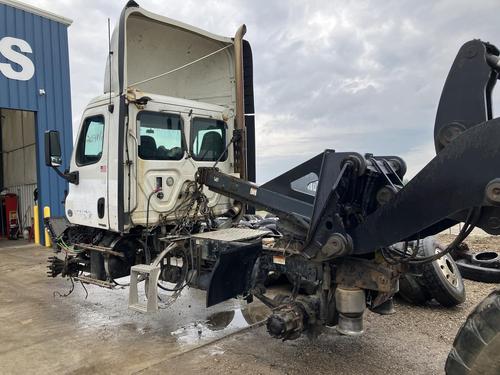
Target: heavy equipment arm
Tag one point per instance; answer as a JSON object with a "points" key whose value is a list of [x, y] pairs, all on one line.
{"points": [[344, 211], [360, 204]]}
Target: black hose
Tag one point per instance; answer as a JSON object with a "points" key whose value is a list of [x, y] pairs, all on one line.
{"points": [[147, 253], [184, 282], [394, 256], [147, 209]]}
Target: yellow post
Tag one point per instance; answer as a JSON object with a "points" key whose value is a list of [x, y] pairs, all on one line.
{"points": [[46, 213], [36, 225]]}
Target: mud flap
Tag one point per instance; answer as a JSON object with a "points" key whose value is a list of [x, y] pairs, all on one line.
{"points": [[232, 272]]}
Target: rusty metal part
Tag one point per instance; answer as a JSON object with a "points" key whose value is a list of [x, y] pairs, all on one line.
{"points": [[240, 99], [384, 308], [287, 322], [89, 280], [99, 249], [367, 274], [235, 210], [292, 317], [379, 300], [336, 245]]}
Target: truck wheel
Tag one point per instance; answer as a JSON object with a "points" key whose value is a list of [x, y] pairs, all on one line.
{"points": [[477, 344], [442, 277], [412, 291]]}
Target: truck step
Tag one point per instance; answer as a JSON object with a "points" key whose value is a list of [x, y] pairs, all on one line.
{"points": [[151, 274]]}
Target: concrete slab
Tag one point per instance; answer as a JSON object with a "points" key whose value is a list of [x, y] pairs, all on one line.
{"points": [[42, 332]]}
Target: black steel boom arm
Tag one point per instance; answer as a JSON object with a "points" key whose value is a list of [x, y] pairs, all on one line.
{"points": [[359, 203], [466, 97]]}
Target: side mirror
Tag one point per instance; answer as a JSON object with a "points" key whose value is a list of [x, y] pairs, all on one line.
{"points": [[52, 149]]}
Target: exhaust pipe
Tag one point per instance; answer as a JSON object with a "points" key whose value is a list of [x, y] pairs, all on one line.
{"points": [[240, 100]]}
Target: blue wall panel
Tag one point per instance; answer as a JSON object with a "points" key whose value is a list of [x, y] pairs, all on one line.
{"points": [[49, 42]]}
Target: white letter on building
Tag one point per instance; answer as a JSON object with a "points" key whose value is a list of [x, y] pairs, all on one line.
{"points": [[27, 68]]}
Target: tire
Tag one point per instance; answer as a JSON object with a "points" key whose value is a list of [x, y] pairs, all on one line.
{"points": [[477, 344], [478, 273], [442, 277], [412, 291], [486, 259]]}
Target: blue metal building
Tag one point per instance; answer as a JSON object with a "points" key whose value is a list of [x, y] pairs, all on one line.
{"points": [[34, 83]]}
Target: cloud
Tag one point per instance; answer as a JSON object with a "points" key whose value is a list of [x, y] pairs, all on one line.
{"points": [[360, 76]]}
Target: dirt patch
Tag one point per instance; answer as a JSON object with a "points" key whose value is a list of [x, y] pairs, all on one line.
{"points": [[475, 243]]}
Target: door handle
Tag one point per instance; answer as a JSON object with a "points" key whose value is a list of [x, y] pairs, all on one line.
{"points": [[100, 207]]}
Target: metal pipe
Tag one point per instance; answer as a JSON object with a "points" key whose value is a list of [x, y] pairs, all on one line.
{"points": [[240, 100]]}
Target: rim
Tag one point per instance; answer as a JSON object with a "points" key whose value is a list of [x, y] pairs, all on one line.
{"points": [[486, 256], [447, 268]]}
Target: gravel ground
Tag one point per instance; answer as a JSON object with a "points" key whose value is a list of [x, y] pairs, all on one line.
{"points": [[415, 340]]}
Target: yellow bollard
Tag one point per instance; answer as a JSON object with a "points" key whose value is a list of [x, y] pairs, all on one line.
{"points": [[36, 225], [46, 213]]}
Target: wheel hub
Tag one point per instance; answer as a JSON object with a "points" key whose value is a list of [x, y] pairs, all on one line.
{"points": [[447, 268]]}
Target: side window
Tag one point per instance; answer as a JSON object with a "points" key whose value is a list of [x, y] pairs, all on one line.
{"points": [[160, 136], [208, 139], [91, 141]]}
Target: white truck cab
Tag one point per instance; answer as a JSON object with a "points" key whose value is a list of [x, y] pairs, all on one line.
{"points": [[172, 98], [176, 100], [167, 140]]}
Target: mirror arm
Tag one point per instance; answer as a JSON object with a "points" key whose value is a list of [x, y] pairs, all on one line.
{"points": [[71, 177]]}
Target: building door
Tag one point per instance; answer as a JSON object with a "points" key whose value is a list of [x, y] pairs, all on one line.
{"points": [[18, 162]]}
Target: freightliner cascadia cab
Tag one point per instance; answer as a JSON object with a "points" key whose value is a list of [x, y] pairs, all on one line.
{"points": [[173, 97]]}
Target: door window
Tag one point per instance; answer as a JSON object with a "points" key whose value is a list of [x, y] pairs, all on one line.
{"points": [[91, 142], [208, 139], [160, 136]]}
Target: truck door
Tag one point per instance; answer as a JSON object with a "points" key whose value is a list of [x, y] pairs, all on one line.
{"points": [[87, 203]]}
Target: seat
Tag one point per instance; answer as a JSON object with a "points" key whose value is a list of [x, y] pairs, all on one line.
{"points": [[212, 146], [147, 149]]}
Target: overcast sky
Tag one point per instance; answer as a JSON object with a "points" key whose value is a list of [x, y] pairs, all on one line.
{"points": [[361, 76]]}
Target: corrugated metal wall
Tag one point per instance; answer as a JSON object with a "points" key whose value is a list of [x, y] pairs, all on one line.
{"points": [[47, 93]]}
